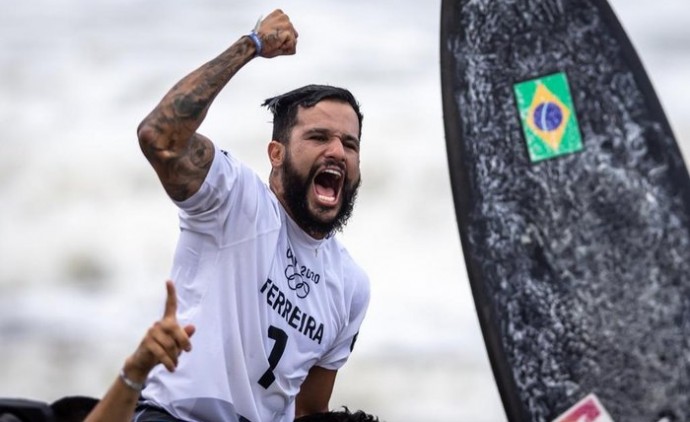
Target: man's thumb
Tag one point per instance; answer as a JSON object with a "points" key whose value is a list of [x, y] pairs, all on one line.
{"points": [[190, 330]]}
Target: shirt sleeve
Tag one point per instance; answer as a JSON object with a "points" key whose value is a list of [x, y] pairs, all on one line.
{"points": [[232, 200], [336, 357]]}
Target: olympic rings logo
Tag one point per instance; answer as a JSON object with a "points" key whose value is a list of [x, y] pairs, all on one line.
{"points": [[296, 281]]}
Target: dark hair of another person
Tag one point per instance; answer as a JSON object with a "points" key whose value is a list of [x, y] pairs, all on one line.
{"points": [[73, 408], [339, 416], [284, 107]]}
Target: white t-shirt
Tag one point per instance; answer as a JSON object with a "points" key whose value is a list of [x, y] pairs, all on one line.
{"points": [[268, 302]]}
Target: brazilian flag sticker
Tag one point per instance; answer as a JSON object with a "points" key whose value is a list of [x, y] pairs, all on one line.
{"points": [[548, 117]]}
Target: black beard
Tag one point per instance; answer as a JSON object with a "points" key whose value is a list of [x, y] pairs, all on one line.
{"points": [[296, 187]]}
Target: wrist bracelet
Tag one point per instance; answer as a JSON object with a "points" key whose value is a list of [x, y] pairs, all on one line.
{"points": [[136, 386], [257, 42]]}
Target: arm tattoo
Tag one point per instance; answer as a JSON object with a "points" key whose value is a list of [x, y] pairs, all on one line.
{"points": [[168, 134], [192, 96]]}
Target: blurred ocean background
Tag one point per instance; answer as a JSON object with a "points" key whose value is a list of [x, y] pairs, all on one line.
{"points": [[87, 233]]}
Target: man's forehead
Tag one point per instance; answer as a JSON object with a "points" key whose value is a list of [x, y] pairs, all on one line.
{"points": [[327, 109], [328, 131], [326, 103], [328, 128]]}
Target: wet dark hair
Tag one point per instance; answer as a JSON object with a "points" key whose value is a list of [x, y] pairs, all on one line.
{"points": [[73, 408], [339, 416], [284, 107]]}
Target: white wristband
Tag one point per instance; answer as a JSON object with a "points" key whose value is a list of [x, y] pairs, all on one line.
{"points": [[136, 386]]}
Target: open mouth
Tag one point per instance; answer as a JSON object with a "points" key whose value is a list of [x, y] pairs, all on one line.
{"points": [[328, 184]]}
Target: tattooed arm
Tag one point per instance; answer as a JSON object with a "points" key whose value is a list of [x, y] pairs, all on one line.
{"points": [[168, 137]]}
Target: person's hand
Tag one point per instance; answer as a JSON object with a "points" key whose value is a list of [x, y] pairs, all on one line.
{"points": [[277, 34], [163, 342]]}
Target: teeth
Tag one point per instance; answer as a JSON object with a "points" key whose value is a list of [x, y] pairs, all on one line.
{"points": [[333, 172]]}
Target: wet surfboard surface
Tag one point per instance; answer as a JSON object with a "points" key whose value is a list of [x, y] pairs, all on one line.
{"points": [[573, 206]]}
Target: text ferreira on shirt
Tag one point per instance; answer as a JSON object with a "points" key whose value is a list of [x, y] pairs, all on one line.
{"points": [[295, 317]]}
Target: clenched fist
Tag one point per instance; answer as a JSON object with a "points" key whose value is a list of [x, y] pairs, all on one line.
{"points": [[278, 36]]}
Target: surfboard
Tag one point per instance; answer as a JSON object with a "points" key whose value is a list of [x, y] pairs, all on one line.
{"points": [[573, 209]]}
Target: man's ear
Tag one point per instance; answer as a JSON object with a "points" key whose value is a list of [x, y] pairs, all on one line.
{"points": [[276, 153]]}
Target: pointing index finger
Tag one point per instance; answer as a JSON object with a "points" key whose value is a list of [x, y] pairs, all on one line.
{"points": [[170, 300]]}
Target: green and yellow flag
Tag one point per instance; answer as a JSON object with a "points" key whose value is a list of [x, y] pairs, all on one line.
{"points": [[548, 117]]}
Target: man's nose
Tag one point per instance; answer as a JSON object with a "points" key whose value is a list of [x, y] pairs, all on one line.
{"points": [[336, 150]]}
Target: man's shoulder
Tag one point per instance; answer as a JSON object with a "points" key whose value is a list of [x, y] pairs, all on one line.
{"points": [[353, 270]]}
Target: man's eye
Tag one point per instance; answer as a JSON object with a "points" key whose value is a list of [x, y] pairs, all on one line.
{"points": [[352, 144]]}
